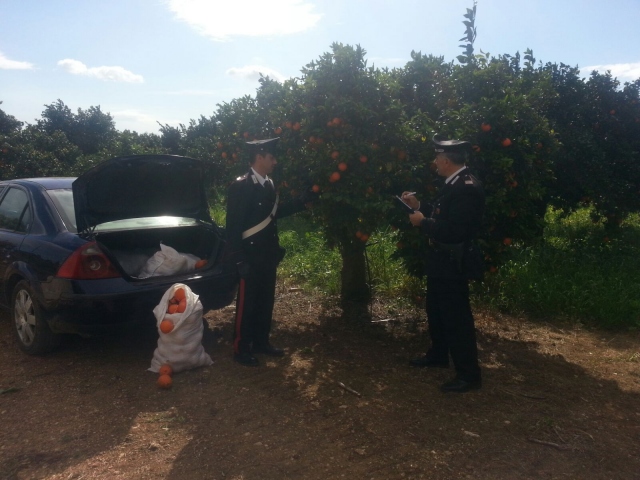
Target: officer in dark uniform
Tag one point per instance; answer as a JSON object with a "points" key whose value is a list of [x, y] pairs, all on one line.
{"points": [[253, 248], [451, 225]]}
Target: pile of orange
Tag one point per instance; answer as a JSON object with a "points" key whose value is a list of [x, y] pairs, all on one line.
{"points": [[165, 380], [177, 303]]}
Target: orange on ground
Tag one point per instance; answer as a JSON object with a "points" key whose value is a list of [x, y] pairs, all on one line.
{"points": [[164, 381], [166, 325], [166, 370]]}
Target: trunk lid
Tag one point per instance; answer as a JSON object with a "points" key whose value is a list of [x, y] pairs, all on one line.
{"points": [[140, 186]]}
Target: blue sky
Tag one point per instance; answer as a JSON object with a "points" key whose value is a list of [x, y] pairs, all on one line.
{"points": [[170, 61]]}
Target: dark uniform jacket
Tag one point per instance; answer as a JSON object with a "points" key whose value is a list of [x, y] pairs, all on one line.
{"points": [[248, 204], [452, 226]]}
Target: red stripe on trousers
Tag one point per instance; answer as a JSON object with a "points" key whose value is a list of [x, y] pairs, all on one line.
{"points": [[239, 309]]}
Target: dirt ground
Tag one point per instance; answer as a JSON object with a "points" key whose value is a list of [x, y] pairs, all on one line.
{"points": [[557, 402]]}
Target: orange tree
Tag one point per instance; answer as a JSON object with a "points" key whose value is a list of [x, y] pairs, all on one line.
{"points": [[598, 123], [343, 136], [499, 107]]}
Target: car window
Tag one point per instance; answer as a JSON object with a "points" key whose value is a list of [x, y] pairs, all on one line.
{"points": [[12, 209], [63, 200]]}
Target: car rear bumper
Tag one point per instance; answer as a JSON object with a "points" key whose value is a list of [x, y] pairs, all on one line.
{"points": [[101, 306]]}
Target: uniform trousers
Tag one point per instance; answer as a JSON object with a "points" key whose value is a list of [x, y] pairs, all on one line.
{"points": [[451, 326], [254, 308]]}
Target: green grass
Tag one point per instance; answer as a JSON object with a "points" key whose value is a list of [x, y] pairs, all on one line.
{"points": [[580, 271]]}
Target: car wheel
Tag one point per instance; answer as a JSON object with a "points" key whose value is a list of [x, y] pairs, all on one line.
{"points": [[32, 331]]}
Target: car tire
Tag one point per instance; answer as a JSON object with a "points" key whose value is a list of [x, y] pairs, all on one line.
{"points": [[30, 326]]}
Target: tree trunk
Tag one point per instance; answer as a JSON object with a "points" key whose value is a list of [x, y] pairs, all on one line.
{"points": [[354, 287]]}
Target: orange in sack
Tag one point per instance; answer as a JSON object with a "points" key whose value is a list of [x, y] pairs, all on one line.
{"points": [[166, 325], [172, 308], [201, 263], [179, 294], [182, 306], [166, 370], [164, 381]]}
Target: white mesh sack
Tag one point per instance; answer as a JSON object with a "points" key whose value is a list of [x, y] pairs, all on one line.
{"points": [[181, 347]]}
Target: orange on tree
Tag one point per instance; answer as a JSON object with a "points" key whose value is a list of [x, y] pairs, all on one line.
{"points": [[335, 154], [335, 176], [315, 188], [296, 126], [507, 241], [277, 130], [224, 154], [342, 166], [166, 326], [164, 381], [506, 142], [485, 127], [363, 159], [246, 134]]}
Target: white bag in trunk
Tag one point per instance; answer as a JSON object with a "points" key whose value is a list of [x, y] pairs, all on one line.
{"points": [[181, 347], [166, 261]]}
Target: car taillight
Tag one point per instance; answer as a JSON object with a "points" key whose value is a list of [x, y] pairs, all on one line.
{"points": [[87, 263]]}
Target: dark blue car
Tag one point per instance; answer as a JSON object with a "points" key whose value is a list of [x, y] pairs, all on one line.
{"points": [[74, 253]]}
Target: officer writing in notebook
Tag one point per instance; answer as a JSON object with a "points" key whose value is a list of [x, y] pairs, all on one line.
{"points": [[451, 225], [253, 247]]}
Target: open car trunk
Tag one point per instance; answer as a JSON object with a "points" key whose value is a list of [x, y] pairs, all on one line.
{"points": [[132, 249]]}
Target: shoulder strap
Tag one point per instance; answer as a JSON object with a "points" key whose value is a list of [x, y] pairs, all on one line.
{"points": [[255, 229]]}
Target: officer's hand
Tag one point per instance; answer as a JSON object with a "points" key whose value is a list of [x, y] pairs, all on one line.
{"points": [[309, 196], [416, 218], [410, 199], [243, 269]]}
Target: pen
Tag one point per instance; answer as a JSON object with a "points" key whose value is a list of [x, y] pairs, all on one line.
{"points": [[411, 193]]}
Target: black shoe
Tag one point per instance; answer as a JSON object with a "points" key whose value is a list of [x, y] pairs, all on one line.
{"points": [[246, 359], [458, 385], [428, 362], [268, 349]]}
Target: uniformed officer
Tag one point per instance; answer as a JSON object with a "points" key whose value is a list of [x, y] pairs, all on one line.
{"points": [[253, 248], [451, 225]]}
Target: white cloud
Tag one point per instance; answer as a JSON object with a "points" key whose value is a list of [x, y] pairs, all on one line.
{"points": [[252, 73], [6, 64], [136, 121], [108, 74], [221, 20], [621, 71]]}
